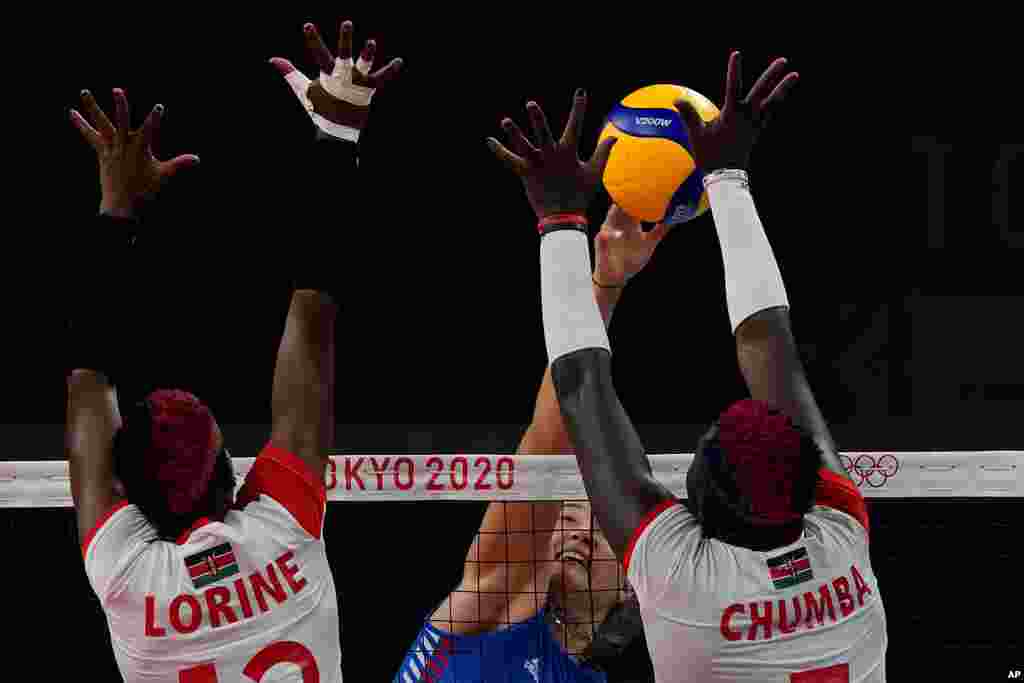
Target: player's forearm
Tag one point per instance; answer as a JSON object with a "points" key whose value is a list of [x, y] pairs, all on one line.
{"points": [[98, 325], [302, 402], [615, 469], [91, 412], [329, 173], [332, 163], [759, 309], [609, 452], [753, 282], [770, 363], [547, 429]]}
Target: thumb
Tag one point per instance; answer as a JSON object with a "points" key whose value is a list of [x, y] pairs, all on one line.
{"points": [[601, 241], [600, 158], [283, 66], [658, 232], [297, 81], [691, 119], [169, 168]]}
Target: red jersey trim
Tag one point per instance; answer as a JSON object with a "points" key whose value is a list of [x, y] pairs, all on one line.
{"points": [[644, 523], [283, 476], [836, 491], [99, 524]]}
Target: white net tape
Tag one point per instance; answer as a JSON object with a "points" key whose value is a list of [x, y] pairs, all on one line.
{"points": [[976, 474]]}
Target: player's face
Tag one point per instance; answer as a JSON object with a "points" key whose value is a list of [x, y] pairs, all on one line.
{"points": [[584, 558]]}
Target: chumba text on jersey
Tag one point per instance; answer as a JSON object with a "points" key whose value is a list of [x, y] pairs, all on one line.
{"points": [[187, 612], [760, 617]]}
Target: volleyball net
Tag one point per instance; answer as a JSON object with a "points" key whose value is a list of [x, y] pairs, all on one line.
{"points": [[936, 517], [401, 477]]}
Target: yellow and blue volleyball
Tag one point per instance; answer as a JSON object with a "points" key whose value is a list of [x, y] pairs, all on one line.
{"points": [[651, 173]]}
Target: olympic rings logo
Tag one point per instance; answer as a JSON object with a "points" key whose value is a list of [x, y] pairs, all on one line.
{"points": [[866, 469]]}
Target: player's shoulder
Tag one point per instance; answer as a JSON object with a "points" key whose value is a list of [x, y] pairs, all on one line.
{"points": [[838, 500], [669, 533], [670, 521], [280, 484]]}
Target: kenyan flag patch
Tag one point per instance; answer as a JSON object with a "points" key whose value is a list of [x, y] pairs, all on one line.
{"points": [[212, 565], [790, 569]]}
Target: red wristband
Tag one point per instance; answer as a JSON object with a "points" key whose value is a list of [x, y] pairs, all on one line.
{"points": [[562, 219]]}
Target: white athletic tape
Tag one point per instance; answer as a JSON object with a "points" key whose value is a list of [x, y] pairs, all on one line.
{"points": [[299, 83], [339, 84], [878, 474]]}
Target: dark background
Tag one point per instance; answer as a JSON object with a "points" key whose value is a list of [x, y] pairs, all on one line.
{"points": [[902, 271]]}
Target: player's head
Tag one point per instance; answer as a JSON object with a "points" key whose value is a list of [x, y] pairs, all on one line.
{"points": [[588, 586], [584, 561], [753, 473], [169, 455]]}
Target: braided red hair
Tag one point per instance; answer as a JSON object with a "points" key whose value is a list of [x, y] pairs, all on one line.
{"points": [[183, 448], [764, 452]]}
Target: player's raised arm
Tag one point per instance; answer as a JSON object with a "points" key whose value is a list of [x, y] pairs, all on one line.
{"points": [[500, 582], [756, 297], [559, 186], [338, 102], [129, 175]]}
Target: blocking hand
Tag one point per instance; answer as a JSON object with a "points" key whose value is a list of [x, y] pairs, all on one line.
{"points": [[129, 172], [338, 101]]}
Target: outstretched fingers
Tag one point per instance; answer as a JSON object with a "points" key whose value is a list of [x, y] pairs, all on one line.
{"points": [[766, 83], [385, 74], [87, 131], [122, 115], [283, 66], [151, 127], [733, 83], [513, 162], [541, 130], [345, 41], [574, 126], [366, 57], [781, 90], [98, 117], [172, 166], [600, 157], [690, 117], [523, 147], [317, 48]]}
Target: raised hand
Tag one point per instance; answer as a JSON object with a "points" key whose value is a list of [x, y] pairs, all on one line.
{"points": [[727, 141], [622, 248], [555, 179], [129, 172], [338, 101]]}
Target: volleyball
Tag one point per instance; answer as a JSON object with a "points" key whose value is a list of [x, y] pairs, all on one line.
{"points": [[651, 173]]}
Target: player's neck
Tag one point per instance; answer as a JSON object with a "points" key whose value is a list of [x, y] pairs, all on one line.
{"points": [[576, 618], [574, 638], [760, 539]]}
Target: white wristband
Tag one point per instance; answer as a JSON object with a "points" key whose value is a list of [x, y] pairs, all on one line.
{"points": [[753, 282], [572, 320]]}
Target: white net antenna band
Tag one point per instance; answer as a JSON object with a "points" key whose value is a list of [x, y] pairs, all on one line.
{"points": [[932, 474]]}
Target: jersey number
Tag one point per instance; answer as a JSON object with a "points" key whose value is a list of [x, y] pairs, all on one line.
{"points": [[275, 653], [840, 673]]}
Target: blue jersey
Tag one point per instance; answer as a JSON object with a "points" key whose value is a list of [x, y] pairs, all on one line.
{"points": [[521, 653]]}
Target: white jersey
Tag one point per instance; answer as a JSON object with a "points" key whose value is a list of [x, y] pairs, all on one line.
{"points": [[247, 599], [808, 612]]}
